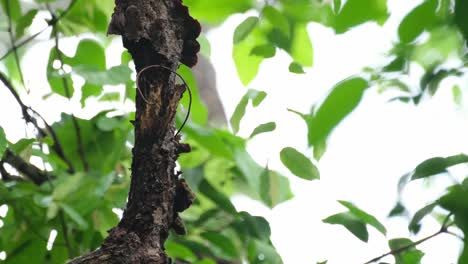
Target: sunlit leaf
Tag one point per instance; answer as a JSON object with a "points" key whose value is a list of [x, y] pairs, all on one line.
{"points": [[261, 252], [364, 217], [409, 256], [256, 96], [214, 12], [14, 8], [216, 196], [356, 12], [247, 64], [414, 225], [350, 222], [295, 67], [178, 251], [299, 164], [221, 243], [301, 46], [437, 165], [244, 29], [419, 19], [21, 145], [24, 22], [3, 142], [265, 51], [263, 128], [75, 216], [341, 101]]}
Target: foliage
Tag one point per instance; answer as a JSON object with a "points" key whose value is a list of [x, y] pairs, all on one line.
{"points": [[89, 158]]}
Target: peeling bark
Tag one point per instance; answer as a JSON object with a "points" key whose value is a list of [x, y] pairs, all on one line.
{"points": [[155, 32]]}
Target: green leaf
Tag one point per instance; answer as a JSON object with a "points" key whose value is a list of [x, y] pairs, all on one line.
{"points": [[217, 197], [461, 20], [24, 22], [214, 12], [350, 222], [113, 76], [356, 12], [260, 252], [266, 51], [295, 67], [341, 101], [199, 112], [59, 82], [75, 216], [364, 217], [256, 96], [319, 150], [409, 256], [14, 8], [336, 6], [89, 52], [244, 29], [110, 97], [277, 19], [178, 251], [87, 16], [414, 225], [274, 188], [221, 243], [257, 226], [3, 142], [66, 186], [263, 128], [457, 95], [299, 164], [398, 210], [21, 145], [301, 47], [437, 165], [419, 19], [247, 64]]}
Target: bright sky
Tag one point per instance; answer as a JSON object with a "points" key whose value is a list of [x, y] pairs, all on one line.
{"points": [[366, 155]]}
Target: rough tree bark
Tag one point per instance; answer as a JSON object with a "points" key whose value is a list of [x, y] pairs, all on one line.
{"points": [[155, 32]]}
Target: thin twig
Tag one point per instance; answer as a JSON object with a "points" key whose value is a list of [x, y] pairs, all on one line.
{"points": [[397, 251], [76, 126], [12, 40], [27, 116], [53, 22], [66, 239], [35, 174]]}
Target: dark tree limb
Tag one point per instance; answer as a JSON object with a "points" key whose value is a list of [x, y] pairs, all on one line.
{"points": [[32, 172], [155, 32], [57, 147]]}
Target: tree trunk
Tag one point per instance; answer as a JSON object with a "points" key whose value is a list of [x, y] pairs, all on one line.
{"points": [[160, 33]]}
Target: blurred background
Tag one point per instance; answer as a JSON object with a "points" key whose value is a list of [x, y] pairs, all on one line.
{"points": [[254, 88]]}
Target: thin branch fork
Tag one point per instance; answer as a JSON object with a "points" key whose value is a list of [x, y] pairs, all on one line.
{"points": [[32, 172], [52, 22], [443, 230], [57, 147]]}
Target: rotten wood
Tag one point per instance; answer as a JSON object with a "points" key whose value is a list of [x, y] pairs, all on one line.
{"points": [[155, 32]]}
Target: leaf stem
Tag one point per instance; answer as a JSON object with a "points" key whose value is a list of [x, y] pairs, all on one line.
{"points": [[442, 230]]}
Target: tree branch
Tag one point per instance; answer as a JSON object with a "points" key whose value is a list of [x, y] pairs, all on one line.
{"points": [[12, 40], [76, 126], [397, 251], [33, 173], [57, 147], [52, 22]]}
